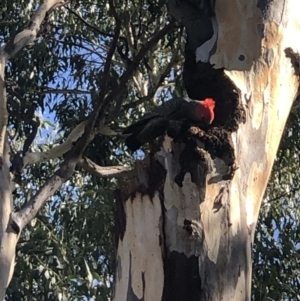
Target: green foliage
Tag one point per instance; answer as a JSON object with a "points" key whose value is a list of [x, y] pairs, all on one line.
{"points": [[67, 252], [277, 249]]}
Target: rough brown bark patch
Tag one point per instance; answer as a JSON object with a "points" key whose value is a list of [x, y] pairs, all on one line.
{"points": [[218, 143], [295, 59], [196, 162]]}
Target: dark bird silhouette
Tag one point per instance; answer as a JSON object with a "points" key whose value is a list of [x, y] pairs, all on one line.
{"points": [[155, 123]]}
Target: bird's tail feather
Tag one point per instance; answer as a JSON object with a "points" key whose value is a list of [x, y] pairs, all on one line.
{"points": [[133, 143], [145, 130]]}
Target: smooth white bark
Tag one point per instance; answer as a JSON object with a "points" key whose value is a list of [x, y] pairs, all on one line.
{"points": [[211, 228]]}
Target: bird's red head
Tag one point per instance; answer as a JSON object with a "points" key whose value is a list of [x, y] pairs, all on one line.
{"points": [[205, 110]]}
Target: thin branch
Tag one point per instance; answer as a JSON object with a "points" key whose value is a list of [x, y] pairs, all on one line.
{"points": [[47, 90], [151, 94], [59, 150], [17, 162], [93, 51], [110, 53], [106, 171], [138, 83], [130, 39], [3, 110], [141, 54], [94, 28], [285, 194], [268, 202], [90, 129], [154, 90]]}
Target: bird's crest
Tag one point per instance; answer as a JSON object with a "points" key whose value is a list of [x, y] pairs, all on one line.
{"points": [[209, 102], [205, 110]]}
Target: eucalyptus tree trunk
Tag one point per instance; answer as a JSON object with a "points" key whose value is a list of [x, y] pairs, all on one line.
{"points": [[185, 224], [12, 223]]}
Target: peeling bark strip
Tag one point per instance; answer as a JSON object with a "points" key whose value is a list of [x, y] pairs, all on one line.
{"points": [[190, 239], [139, 210], [3, 110], [149, 180]]}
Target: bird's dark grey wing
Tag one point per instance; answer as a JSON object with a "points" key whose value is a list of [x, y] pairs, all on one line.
{"points": [[154, 128], [140, 123], [155, 123], [182, 108], [168, 108], [171, 108]]}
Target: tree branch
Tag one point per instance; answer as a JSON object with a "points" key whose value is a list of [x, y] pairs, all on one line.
{"points": [[105, 171], [25, 215], [289, 194], [3, 110], [158, 84], [48, 90], [91, 130], [109, 54], [17, 161], [57, 151], [29, 34]]}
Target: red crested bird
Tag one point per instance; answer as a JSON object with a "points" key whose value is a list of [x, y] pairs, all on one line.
{"points": [[155, 123]]}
